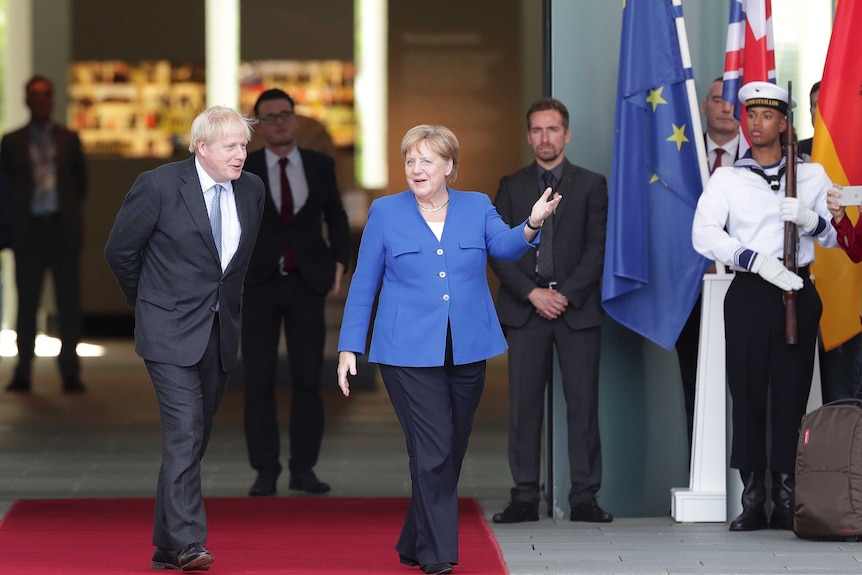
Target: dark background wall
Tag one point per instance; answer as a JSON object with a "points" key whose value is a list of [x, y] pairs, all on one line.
{"points": [[458, 64]]}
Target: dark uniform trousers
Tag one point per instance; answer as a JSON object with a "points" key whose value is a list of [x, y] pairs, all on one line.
{"points": [[283, 300], [530, 368], [764, 371], [435, 406]]}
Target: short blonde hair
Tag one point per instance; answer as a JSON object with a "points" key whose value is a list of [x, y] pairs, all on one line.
{"points": [[217, 122], [440, 139]]}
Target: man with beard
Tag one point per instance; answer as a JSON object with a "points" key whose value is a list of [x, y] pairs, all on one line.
{"points": [[550, 299], [292, 269]]}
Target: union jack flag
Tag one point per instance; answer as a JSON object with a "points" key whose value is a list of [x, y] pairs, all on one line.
{"points": [[750, 52]]}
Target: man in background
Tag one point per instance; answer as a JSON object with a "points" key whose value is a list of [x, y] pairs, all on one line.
{"points": [[293, 268], [44, 166], [722, 149], [553, 299]]}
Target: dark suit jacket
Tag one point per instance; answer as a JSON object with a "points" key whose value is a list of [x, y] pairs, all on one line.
{"points": [[315, 258], [71, 174], [579, 245], [162, 252], [7, 212]]}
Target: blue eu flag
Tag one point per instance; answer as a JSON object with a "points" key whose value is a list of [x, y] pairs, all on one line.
{"points": [[652, 275]]}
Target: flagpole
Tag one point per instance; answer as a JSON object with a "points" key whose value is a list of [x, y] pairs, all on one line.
{"points": [[696, 126], [705, 499]]}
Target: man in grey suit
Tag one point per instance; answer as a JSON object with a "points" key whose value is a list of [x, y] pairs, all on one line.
{"points": [[553, 299], [180, 248], [44, 166]]}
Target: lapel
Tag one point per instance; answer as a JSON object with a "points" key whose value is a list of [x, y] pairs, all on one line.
{"points": [[193, 195], [566, 187], [247, 213]]}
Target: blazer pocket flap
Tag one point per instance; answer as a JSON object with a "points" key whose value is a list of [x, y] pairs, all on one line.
{"points": [[468, 243], [401, 249], [158, 298]]}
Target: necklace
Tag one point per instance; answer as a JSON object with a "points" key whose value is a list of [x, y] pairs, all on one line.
{"points": [[437, 209]]}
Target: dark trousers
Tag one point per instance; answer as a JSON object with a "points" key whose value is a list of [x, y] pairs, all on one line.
{"points": [[435, 406], [687, 345], [45, 248], [283, 301], [531, 348], [188, 400], [763, 371]]}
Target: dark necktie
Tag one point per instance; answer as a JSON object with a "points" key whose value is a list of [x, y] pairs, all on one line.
{"points": [[545, 258], [719, 152], [289, 262]]}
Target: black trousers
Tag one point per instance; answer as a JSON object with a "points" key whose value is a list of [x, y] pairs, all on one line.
{"points": [[763, 371], [435, 406], [531, 354], [283, 302], [45, 248]]}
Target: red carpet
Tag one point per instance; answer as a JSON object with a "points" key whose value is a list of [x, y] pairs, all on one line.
{"points": [[274, 535]]}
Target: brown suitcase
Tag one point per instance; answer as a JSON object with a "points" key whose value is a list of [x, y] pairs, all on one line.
{"points": [[829, 472]]}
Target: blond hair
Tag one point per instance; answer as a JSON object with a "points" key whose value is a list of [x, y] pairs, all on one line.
{"points": [[217, 122], [440, 139]]}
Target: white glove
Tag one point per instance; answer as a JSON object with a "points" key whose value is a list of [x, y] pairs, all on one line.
{"points": [[792, 210], [775, 273]]}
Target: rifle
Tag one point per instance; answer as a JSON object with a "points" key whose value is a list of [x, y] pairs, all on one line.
{"points": [[791, 237]]}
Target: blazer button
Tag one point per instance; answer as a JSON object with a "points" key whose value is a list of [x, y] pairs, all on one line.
{"points": [[213, 308], [439, 251], [442, 274], [446, 297]]}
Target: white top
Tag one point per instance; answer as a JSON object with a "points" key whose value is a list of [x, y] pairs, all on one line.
{"points": [[231, 230], [739, 211], [437, 228]]}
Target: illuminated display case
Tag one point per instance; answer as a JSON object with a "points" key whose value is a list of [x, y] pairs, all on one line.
{"points": [[145, 109]]}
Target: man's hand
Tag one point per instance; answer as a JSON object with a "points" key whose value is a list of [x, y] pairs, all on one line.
{"points": [[549, 304]]}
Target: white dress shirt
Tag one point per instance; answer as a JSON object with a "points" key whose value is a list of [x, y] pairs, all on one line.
{"points": [[231, 230]]}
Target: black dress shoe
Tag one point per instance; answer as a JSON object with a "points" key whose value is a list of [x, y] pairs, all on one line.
{"points": [[437, 568], [264, 485], [590, 512], [194, 557], [19, 385], [307, 481], [168, 559], [73, 385], [409, 561], [517, 512]]}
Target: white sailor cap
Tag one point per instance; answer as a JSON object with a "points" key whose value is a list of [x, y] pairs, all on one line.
{"points": [[765, 95]]}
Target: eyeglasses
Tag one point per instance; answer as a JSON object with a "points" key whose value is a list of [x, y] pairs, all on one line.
{"points": [[270, 118]]}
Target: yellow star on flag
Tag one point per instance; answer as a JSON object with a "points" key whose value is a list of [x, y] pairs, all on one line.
{"points": [[655, 98], [678, 136]]}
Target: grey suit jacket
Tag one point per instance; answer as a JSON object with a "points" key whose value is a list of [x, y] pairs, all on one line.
{"points": [[162, 252], [580, 223]]}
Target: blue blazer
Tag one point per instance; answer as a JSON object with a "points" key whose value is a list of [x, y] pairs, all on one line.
{"points": [[425, 284]]}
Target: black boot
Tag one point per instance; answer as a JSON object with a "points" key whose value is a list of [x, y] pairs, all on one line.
{"points": [[782, 500], [753, 516]]}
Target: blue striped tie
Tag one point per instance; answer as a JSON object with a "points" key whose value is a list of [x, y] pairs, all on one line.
{"points": [[215, 218]]}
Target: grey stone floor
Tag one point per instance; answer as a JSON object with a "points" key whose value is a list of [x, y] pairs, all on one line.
{"points": [[105, 443]]}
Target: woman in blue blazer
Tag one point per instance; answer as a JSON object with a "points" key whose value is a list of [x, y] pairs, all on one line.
{"points": [[425, 251]]}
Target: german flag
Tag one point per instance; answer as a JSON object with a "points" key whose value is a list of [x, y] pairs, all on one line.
{"points": [[838, 147]]}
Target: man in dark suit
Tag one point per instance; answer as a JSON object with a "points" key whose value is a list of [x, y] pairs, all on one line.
{"points": [[44, 166], [292, 269], [550, 299], [180, 248]]}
